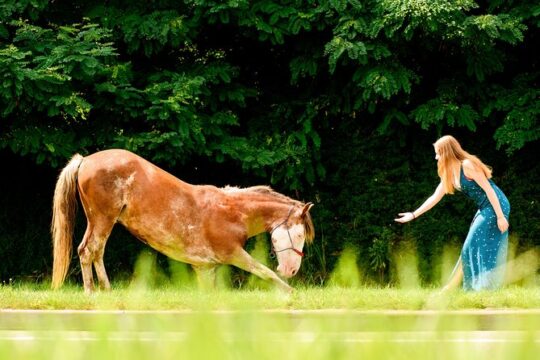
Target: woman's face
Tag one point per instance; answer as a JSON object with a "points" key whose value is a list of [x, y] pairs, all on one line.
{"points": [[437, 155]]}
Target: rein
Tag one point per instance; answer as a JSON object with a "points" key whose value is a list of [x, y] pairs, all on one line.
{"points": [[273, 251]]}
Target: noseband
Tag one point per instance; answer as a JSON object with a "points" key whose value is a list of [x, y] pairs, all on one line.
{"points": [[273, 251]]}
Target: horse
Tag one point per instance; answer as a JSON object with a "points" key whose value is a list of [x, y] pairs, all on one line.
{"points": [[201, 225]]}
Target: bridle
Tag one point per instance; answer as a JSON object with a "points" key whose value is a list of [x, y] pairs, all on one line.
{"points": [[273, 251]]}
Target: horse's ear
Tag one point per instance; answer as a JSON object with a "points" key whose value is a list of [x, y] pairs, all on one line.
{"points": [[306, 208]]}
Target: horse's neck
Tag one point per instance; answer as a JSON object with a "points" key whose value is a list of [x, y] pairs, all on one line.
{"points": [[263, 214]]}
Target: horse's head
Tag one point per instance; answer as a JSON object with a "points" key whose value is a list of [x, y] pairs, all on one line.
{"points": [[289, 237]]}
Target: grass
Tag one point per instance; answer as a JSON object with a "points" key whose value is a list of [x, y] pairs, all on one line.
{"points": [[151, 316], [40, 297]]}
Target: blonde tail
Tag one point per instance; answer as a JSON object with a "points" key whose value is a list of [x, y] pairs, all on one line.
{"points": [[63, 220]]}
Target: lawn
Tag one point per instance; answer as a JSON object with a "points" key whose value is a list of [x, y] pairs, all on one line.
{"points": [[307, 298]]}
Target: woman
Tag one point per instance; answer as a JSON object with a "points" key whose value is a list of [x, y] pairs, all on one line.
{"points": [[483, 257]]}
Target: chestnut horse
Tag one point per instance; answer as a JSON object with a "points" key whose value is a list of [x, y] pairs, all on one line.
{"points": [[201, 225]]}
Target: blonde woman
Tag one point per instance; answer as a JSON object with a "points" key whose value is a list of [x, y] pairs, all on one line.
{"points": [[483, 257]]}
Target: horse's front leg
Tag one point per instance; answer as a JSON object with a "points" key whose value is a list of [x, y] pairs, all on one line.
{"points": [[206, 276], [245, 262]]}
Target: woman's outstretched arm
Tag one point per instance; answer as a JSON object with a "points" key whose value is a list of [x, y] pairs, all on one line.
{"points": [[426, 206]]}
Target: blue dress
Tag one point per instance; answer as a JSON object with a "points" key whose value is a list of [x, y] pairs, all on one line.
{"points": [[484, 252]]}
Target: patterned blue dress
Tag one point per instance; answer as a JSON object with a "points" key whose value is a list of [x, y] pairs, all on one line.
{"points": [[484, 252]]}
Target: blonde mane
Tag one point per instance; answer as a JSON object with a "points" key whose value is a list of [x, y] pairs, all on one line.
{"points": [[260, 189]]}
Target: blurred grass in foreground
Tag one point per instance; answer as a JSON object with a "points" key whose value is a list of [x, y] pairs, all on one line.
{"points": [[269, 335]]}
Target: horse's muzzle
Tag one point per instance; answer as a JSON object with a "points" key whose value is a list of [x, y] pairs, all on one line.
{"points": [[287, 271]]}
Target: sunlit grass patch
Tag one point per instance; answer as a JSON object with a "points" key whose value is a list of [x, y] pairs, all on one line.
{"points": [[126, 297]]}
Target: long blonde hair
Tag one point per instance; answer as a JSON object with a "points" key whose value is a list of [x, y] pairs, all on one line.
{"points": [[451, 155]]}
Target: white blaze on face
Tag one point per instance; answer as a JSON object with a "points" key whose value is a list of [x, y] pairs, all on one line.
{"points": [[289, 261]]}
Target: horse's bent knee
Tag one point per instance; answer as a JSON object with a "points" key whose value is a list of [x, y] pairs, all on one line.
{"points": [[84, 254]]}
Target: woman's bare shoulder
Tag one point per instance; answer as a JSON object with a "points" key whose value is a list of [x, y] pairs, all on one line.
{"points": [[471, 170], [468, 165]]}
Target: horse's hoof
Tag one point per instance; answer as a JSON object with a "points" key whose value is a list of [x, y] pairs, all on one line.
{"points": [[88, 291], [288, 290]]}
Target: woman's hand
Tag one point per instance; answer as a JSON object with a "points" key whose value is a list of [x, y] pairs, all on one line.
{"points": [[405, 217], [502, 223]]}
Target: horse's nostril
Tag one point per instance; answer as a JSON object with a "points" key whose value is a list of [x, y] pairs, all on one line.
{"points": [[294, 272]]}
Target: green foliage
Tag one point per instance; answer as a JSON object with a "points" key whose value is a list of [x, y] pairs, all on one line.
{"points": [[379, 254], [436, 111], [148, 32], [178, 76], [522, 108], [14, 8], [44, 74], [383, 83]]}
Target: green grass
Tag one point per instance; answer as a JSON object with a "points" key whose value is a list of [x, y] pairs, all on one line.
{"points": [[150, 315], [309, 298]]}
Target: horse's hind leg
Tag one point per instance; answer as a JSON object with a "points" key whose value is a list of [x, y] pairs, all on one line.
{"points": [[103, 279], [91, 251], [85, 257]]}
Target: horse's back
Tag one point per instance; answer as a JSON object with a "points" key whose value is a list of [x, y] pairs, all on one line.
{"points": [[113, 161], [121, 168], [118, 178]]}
